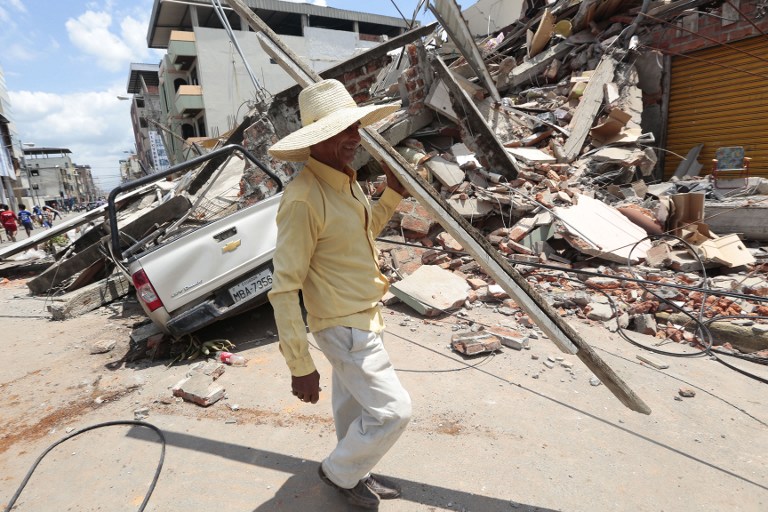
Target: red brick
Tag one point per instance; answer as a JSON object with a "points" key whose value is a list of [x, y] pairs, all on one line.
{"points": [[418, 226]]}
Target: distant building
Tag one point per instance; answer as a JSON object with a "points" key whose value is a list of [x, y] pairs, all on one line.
{"points": [[49, 177], [86, 187], [130, 169], [146, 116], [205, 89], [9, 154]]}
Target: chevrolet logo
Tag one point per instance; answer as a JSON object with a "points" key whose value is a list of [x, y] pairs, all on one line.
{"points": [[231, 246]]}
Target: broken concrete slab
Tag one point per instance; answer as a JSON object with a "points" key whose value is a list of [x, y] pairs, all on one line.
{"points": [[509, 337], [532, 156], [602, 231], [89, 297], [447, 173], [431, 290], [199, 388], [439, 100], [532, 68], [471, 207], [588, 108]]}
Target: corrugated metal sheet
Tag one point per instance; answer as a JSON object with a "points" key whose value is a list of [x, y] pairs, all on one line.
{"points": [[712, 102]]}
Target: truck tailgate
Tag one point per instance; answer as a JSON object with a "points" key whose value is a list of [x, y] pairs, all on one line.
{"points": [[188, 268]]}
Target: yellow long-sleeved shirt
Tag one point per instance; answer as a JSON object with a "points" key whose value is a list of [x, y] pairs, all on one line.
{"points": [[325, 248]]}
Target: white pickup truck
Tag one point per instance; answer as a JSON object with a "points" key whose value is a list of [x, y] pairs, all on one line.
{"points": [[185, 282]]}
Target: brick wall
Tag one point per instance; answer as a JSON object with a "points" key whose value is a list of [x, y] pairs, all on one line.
{"points": [[414, 81], [359, 81], [710, 30], [283, 118], [255, 185]]}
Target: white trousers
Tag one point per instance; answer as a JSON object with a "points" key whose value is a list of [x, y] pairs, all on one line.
{"points": [[370, 407]]}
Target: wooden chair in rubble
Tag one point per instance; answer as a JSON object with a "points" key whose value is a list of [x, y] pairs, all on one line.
{"points": [[730, 168]]}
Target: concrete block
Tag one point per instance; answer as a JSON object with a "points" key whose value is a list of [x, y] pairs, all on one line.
{"points": [[600, 312], [509, 337], [471, 343], [646, 324], [200, 389]]}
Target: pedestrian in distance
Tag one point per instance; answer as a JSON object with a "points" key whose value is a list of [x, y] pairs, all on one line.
{"points": [[326, 250], [49, 215], [9, 221], [25, 218], [37, 215]]}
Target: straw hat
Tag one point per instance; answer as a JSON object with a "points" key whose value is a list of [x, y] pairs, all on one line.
{"points": [[326, 109]]}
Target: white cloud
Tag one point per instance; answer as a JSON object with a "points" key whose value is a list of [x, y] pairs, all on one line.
{"points": [[5, 15], [18, 5], [20, 52], [91, 33], [94, 125]]}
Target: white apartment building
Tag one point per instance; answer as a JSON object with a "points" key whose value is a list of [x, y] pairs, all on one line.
{"points": [[205, 89]]}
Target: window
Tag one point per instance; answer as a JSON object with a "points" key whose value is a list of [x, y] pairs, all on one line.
{"points": [[34, 172], [35, 186]]}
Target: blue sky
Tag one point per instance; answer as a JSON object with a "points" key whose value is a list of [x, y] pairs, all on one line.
{"points": [[66, 61]]}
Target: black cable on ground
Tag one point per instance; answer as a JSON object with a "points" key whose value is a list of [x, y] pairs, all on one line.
{"points": [[151, 489], [702, 330]]}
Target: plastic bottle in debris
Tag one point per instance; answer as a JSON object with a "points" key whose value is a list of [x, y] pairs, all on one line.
{"points": [[230, 358]]}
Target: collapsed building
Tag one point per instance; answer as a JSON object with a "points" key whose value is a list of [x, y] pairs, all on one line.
{"points": [[566, 138]]}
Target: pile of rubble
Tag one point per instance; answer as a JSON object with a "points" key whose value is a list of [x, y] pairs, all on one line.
{"points": [[538, 137], [539, 144]]}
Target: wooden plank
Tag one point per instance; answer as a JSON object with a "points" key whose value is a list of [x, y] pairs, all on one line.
{"points": [[588, 108], [447, 12], [489, 146], [490, 259], [64, 269], [532, 68], [543, 34]]}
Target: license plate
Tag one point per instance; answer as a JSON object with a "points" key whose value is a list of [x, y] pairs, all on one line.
{"points": [[252, 287]]}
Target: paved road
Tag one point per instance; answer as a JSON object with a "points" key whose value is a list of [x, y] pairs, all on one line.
{"points": [[500, 433]]}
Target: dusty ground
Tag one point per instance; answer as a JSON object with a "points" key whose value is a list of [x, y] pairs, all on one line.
{"points": [[486, 435]]}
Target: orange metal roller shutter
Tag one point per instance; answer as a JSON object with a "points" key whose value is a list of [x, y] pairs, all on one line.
{"points": [[713, 103]]}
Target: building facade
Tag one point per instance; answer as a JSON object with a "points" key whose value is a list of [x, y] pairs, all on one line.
{"points": [[9, 153], [145, 117], [205, 89], [50, 178]]}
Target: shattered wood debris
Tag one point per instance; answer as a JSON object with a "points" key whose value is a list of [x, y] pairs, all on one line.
{"points": [[534, 135]]}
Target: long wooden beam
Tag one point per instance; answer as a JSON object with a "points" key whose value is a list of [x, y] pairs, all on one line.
{"points": [[562, 334], [491, 152], [566, 338]]}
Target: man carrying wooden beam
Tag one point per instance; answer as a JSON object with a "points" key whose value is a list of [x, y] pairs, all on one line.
{"points": [[326, 250]]}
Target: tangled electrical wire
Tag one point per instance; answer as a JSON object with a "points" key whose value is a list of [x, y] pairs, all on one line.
{"points": [[700, 330]]}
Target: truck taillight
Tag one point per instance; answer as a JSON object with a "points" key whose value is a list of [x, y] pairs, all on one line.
{"points": [[144, 290]]}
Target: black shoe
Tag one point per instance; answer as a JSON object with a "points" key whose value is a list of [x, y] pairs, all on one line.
{"points": [[359, 495], [384, 488]]}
